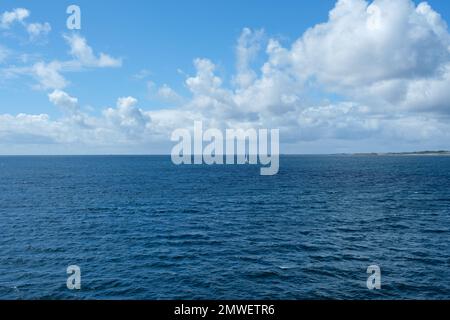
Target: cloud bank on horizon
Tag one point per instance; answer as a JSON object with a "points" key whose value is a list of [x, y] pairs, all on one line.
{"points": [[387, 61]]}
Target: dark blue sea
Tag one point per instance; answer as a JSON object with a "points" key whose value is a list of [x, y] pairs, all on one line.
{"points": [[140, 227]]}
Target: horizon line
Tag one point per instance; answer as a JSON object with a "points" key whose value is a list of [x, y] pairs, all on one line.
{"points": [[423, 152]]}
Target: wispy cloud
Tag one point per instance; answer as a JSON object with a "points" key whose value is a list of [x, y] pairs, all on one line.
{"points": [[8, 18], [84, 54], [50, 74]]}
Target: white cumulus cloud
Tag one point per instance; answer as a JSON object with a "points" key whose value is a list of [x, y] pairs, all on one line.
{"points": [[36, 30], [8, 18], [84, 54], [374, 51], [63, 100]]}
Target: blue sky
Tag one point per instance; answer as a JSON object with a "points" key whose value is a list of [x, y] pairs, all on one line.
{"points": [[145, 33], [156, 43]]}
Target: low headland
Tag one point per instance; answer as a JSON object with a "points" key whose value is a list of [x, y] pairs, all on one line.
{"points": [[414, 153]]}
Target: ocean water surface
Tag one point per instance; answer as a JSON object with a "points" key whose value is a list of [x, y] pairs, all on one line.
{"points": [[140, 227]]}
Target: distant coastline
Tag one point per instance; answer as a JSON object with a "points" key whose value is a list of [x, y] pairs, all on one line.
{"points": [[414, 153]]}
